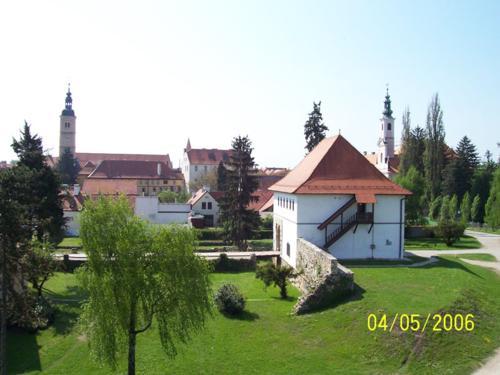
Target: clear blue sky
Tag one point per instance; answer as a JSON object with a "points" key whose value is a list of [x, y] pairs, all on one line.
{"points": [[146, 75]]}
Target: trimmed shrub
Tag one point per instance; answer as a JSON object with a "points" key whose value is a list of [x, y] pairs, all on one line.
{"points": [[450, 232], [224, 264], [229, 300]]}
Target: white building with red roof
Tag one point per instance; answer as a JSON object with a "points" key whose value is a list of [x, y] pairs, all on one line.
{"points": [[198, 162], [336, 199]]}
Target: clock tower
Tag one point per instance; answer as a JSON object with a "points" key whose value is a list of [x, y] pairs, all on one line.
{"points": [[386, 139], [67, 130]]}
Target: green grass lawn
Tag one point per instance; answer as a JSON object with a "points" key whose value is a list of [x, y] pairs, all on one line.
{"points": [[484, 257], [268, 340], [465, 242], [71, 242]]}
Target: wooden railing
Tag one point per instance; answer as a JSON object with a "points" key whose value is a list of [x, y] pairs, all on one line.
{"points": [[345, 226], [337, 213]]}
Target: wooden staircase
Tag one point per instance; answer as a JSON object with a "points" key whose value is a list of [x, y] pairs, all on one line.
{"points": [[345, 225]]}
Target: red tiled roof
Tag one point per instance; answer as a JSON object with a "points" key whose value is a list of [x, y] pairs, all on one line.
{"points": [[261, 198], [95, 158], [336, 167], [134, 169], [208, 156], [71, 202], [216, 195]]}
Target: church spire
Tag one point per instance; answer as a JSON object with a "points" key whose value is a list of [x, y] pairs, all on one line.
{"points": [[387, 104], [188, 146], [68, 107]]}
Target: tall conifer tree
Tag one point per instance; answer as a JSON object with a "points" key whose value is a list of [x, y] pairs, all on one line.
{"points": [[239, 221], [314, 128]]}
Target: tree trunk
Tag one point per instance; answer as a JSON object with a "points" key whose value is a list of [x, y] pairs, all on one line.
{"points": [[131, 341]]}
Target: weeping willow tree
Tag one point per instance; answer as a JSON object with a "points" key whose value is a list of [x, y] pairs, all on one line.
{"points": [[137, 273]]}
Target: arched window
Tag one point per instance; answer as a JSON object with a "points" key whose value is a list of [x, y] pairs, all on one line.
{"points": [[388, 126], [382, 126], [288, 249]]}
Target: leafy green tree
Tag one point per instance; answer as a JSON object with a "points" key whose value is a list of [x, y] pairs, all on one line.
{"points": [[434, 148], [168, 196], [208, 179], [136, 273], [14, 234], [453, 207], [405, 162], [414, 209], [444, 215], [239, 222], [41, 264], [270, 274], [68, 168], [465, 208], [475, 211], [314, 128], [481, 183], [45, 204], [435, 208], [492, 217]]}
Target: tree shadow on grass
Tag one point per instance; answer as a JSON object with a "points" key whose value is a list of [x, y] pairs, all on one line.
{"points": [[452, 264], [244, 315], [22, 352], [66, 307]]}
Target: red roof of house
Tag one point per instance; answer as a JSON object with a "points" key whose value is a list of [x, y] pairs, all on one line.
{"points": [[208, 156], [95, 158], [261, 198], [137, 169], [216, 195], [336, 167]]}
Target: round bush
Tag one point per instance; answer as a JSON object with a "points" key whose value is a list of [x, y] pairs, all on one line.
{"points": [[229, 299]]}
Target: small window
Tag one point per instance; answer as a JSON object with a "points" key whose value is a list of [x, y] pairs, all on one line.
{"points": [[209, 205], [288, 249], [382, 126], [203, 205], [196, 168], [389, 126], [66, 149]]}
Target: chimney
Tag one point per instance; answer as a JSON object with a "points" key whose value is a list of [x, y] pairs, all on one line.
{"points": [[76, 189], [158, 169], [364, 152]]}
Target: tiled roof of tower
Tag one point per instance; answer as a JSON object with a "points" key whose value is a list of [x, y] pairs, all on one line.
{"points": [[137, 169], [208, 156], [336, 167]]}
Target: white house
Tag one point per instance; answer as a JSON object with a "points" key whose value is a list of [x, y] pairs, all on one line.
{"points": [[205, 203], [336, 199], [150, 208], [198, 162]]}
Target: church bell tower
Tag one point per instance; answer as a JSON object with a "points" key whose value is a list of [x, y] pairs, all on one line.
{"points": [[67, 130], [386, 139]]}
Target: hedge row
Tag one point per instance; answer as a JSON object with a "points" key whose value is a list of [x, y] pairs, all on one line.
{"points": [[210, 234]]}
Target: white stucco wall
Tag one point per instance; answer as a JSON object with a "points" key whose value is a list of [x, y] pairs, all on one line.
{"points": [[197, 208], [193, 172], [387, 233], [150, 209]]}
